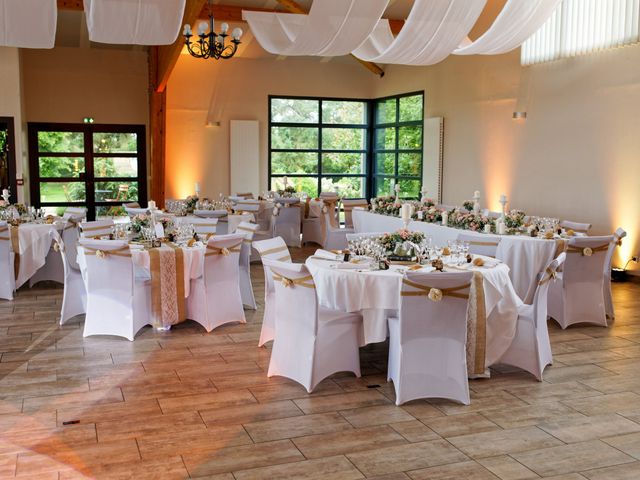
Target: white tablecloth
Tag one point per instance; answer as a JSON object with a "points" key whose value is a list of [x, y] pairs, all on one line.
{"points": [[226, 224], [525, 256], [34, 245], [376, 294]]}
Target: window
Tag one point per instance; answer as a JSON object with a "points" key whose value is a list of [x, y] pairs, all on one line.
{"points": [[583, 26], [397, 146], [319, 144], [97, 166], [329, 144]]}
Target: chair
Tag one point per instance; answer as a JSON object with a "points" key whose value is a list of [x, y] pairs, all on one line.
{"points": [[287, 223], [579, 295], [576, 226], [311, 343], [618, 235], [215, 296], [117, 304], [96, 229], [427, 342], [133, 211], [530, 349], [486, 245], [348, 204], [74, 297], [270, 249], [244, 195], [246, 288], [204, 227], [77, 213], [53, 268], [335, 238], [7, 259]]}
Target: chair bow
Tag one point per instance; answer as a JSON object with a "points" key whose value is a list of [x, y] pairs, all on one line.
{"points": [[588, 251], [224, 251], [102, 254], [306, 282], [434, 294], [551, 275]]}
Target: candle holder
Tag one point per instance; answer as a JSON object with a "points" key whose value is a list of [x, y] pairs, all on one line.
{"points": [[503, 202], [397, 190], [6, 195], [423, 197], [476, 202]]}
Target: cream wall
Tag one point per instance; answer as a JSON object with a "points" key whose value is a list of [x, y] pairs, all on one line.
{"points": [[576, 156], [238, 89], [66, 84], [11, 105]]}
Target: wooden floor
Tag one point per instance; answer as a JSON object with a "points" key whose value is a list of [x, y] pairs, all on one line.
{"points": [[186, 404]]}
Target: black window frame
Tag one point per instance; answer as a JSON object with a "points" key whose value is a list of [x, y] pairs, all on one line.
{"points": [[369, 174], [88, 177]]}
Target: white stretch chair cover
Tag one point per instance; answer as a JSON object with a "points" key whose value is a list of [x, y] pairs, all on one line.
{"points": [[210, 213], [427, 342], [486, 245], [246, 196], [335, 238], [312, 230], [53, 268], [433, 30], [530, 349], [618, 235], [77, 213], [311, 343], [271, 249], [134, 22], [204, 227], [215, 296], [287, 224], [579, 297], [28, 23], [116, 303], [348, 204], [246, 288], [332, 27], [515, 23], [576, 226], [96, 229], [133, 211], [74, 297], [7, 257], [252, 206]]}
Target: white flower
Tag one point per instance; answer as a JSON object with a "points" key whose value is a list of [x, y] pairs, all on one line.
{"points": [[435, 295], [56, 246], [587, 252], [287, 282], [100, 254]]}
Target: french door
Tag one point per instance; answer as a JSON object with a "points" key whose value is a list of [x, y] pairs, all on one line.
{"points": [[92, 165]]}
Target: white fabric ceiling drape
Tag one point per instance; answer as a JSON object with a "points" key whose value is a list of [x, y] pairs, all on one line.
{"points": [[28, 23], [432, 31], [134, 22], [518, 20], [332, 27]]}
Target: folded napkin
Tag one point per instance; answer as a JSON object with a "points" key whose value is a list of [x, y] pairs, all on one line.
{"points": [[210, 213], [482, 261], [327, 254]]}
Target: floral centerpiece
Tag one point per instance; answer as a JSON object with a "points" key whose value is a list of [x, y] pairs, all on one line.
{"points": [[468, 205], [430, 214], [190, 203], [391, 240], [386, 205], [428, 203], [287, 192], [514, 219], [139, 222], [469, 220]]}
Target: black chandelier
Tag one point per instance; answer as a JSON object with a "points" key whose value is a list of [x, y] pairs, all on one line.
{"points": [[212, 44]]}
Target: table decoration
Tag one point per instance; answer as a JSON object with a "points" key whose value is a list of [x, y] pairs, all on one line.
{"points": [[286, 192], [190, 203]]}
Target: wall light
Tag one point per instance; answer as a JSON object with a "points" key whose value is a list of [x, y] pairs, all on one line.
{"points": [[519, 115], [212, 124], [87, 119]]}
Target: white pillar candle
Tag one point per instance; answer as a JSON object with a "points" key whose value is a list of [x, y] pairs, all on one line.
{"points": [[487, 228], [420, 214], [445, 218], [151, 205], [406, 212], [502, 229]]}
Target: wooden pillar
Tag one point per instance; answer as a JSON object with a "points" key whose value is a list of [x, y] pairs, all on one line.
{"points": [[158, 128]]}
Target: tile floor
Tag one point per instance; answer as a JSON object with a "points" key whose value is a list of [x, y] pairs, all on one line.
{"points": [[187, 404]]}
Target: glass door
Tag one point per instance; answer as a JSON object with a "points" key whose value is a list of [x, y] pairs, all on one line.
{"points": [[8, 157], [96, 166]]}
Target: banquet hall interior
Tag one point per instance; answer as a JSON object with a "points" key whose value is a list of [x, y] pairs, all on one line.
{"points": [[320, 239]]}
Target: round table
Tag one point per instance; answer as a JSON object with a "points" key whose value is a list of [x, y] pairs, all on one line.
{"points": [[376, 295]]}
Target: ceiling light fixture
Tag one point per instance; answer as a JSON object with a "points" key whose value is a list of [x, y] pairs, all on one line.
{"points": [[212, 44]]}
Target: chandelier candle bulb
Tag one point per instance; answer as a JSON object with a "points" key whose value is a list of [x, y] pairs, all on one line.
{"points": [[187, 30]]}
